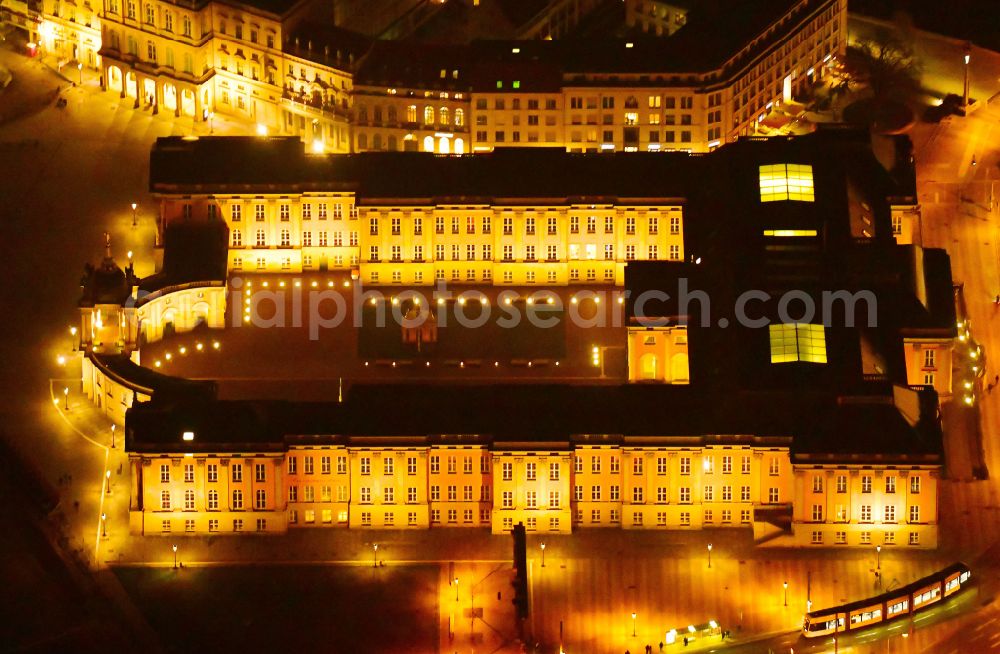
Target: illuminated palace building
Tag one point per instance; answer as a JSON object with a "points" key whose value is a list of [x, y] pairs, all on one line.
{"points": [[803, 429], [712, 75]]}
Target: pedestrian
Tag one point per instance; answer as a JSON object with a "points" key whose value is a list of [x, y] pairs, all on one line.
{"points": [[661, 645]]}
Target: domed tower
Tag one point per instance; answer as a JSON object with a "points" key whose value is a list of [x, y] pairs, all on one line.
{"points": [[107, 316]]}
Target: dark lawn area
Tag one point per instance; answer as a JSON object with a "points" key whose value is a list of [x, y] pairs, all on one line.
{"points": [[289, 608]]}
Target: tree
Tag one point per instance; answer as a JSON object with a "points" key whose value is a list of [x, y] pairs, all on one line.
{"points": [[887, 66]]}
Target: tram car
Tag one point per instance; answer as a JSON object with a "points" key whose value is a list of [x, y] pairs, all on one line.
{"points": [[892, 605]]}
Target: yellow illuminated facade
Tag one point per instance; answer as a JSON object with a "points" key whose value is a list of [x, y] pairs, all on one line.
{"points": [[397, 483], [72, 32], [658, 354], [866, 505], [558, 487], [390, 243], [235, 59]]}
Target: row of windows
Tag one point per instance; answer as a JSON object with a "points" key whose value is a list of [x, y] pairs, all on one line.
{"points": [[866, 484], [212, 500], [284, 211], [486, 225], [530, 252], [166, 526], [212, 472], [865, 538], [444, 115]]}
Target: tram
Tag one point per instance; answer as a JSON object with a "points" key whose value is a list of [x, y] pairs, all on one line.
{"points": [[888, 606]]}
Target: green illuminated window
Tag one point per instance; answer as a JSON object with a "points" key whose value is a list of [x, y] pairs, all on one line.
{"points": [[786, 182], [517, 84], [798, 342]]}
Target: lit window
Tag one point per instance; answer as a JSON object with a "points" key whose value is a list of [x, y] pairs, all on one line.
{"points": [[798, 342], [786, 182]]}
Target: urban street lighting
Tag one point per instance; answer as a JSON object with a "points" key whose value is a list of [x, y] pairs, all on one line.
{"points": [[104, 525], [66, 396], [134, 207], [633, 623], [61, 360], [786, 593], [375, 555], [113, 428], [543, 554], [107, 475], [211, 122], [174, 547], [456, 589], [72, 332], [965, 92], [709, 555]]}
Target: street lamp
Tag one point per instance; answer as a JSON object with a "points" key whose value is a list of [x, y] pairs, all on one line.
{"points": [[79, 67], [72, 332], [543, 554], [375, 555], [134, 207], [786, 593], [113, 428], [211, 122], [174, 547], [633, 623], [709, 555], [66, 396], [104, 525], [968, 54], [61, 360], [456, 589], [107, 475]]}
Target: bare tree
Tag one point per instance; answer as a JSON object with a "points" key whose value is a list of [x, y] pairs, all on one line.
{"points": [[886, 66]]}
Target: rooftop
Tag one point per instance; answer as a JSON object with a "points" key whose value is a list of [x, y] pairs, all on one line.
{"points": [[820, 425]]}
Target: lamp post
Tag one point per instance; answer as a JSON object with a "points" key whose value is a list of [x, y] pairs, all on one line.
{"points": [[72, 333], [709, 555], [543, 554], [878, 564], [113, 428], [633, 624], [104, 525], [965, 92], [79, 68], [375, 555], [61, 360], [66, 397], [174, 547], [456, 589], [786, 593], [134, 207], [211, 122], [107, 476]]}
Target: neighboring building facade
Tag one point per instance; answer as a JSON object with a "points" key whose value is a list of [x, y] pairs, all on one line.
{"points": [[274, 64]]}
